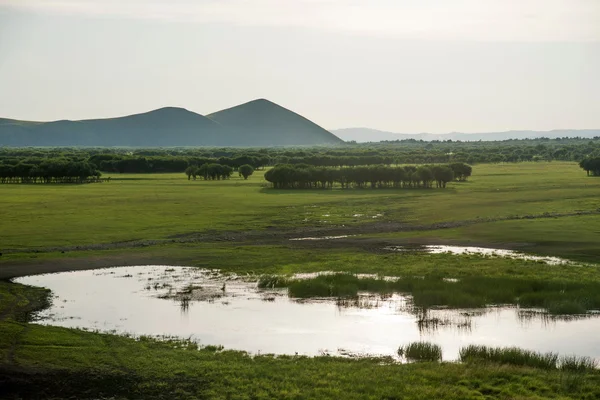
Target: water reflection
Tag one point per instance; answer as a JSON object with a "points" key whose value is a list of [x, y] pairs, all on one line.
{"points": [[484, 251], [323, 237], [231, 311]]}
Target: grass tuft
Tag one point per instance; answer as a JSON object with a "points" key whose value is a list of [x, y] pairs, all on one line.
{"points": [[421, 351]]}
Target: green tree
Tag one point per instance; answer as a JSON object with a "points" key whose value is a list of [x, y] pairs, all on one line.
{"points": [[442, 174], [192, 172], [461, 170], [246, 170]]}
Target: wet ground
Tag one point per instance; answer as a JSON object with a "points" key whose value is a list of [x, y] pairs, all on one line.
{"points": [[213, 309]]}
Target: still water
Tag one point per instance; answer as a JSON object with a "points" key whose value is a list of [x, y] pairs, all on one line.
{"points": [[481, 251], [213, 309]]}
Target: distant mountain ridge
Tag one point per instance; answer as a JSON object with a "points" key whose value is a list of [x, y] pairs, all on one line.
{"points": [[256, 123], [363, 135]]}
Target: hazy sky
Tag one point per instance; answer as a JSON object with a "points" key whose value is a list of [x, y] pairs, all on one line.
{"points": [[404, 66]]}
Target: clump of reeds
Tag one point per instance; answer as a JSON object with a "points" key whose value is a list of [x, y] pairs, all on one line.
{"points": [[421, 351], [577, 364], [509, 355]]}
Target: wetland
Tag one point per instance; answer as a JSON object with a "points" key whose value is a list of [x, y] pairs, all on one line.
{"points": [[210, 298]]}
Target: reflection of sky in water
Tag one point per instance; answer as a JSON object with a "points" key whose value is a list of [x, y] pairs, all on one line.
{"points": [[484, 251], [110, 299]]}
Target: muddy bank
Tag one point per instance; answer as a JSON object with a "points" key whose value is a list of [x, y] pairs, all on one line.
{"points": [[36, 267]]}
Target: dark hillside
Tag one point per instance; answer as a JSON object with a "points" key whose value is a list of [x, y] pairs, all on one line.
{"points": [[258, 123], [264, 123], [163, 127]]}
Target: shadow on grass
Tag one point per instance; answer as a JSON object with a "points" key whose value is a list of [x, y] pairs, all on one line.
{"points": [[34, 383], [356, 191]]}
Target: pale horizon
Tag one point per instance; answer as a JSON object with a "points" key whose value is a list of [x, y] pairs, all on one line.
{"points": [[404, 67]]}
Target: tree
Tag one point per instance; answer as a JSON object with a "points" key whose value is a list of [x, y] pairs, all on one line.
{"points": [[192, 171], [425, 175], [246, 170], [442, 174], [461, 170], [591, 165]]}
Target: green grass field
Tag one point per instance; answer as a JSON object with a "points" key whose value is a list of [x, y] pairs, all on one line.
{"points": [[46, 362], [157, 206]]}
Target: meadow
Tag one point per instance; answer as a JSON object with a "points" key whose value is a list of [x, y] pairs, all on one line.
{"points": [[244, 227], [160, 206]]}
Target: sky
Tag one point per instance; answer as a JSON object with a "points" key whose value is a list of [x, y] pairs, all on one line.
{"points": [[397, 65]]}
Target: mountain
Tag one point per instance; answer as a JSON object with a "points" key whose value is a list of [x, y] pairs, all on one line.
{"points": [[168, 126], [374, 135], [257, 123], [263, 123]]}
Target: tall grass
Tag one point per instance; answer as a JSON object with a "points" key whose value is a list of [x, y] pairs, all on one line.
{"points": [[556, 297], [520, 357], [337, 285], [510, 355], [577, 364], [421, 351]]}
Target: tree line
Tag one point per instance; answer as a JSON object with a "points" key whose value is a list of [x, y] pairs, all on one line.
{"points": [[209, 172], [50, 171], [157, 164], [177, 160], [215, 171], [303, 176]]}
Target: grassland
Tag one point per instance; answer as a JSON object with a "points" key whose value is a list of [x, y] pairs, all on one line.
{"points": [[543, 208], [159, 206]]}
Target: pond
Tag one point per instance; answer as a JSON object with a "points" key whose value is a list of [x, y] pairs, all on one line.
{"points": [[483, 251], [213, 309]]}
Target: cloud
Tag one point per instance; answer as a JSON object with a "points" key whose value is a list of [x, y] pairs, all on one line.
{"points": [[480, 20]]}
